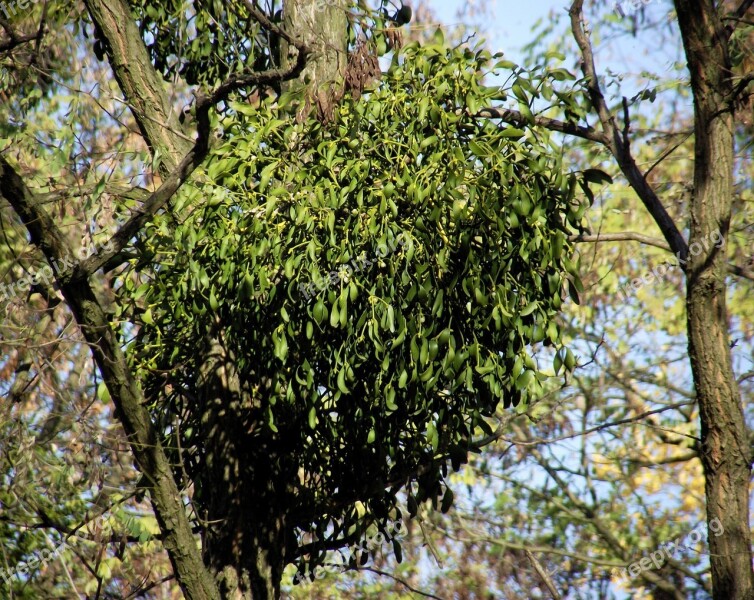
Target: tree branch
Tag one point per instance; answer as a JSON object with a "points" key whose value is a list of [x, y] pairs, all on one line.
{"points": [[635, 419], [195, 156], [403, 582], [624, 236], [142, 86], [543, 574], [13, 38], [737, 16], [607, 534], [127, 397], [614, 141], [516, 118], [631, 236]]}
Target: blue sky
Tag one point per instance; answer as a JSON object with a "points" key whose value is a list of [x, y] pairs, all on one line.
{"points": [[511, 20], [508, 24]]}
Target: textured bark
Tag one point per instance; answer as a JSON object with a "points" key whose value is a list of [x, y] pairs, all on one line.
{"points": [[322, 26], [140, 83], [726, 456], [177, 537], [243, 486], [143, 89], [241, 546]]}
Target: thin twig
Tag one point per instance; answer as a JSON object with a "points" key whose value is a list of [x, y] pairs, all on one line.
{"points": [[402, 582], [627, 420], [667, 153], [625, 236], [187, 166], [737, 16], [543, 574], [613, 138], [14, 38]]}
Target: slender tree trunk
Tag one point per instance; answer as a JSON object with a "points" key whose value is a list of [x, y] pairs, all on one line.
{"points": [[140, 83], [726, 456], [177, 537]]}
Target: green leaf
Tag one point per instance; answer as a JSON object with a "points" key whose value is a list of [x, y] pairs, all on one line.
{"points": [[447, 500], [280, 342], [103, 394], [403, 379], [342, 382], [313, 418], [512, 132], [523, 380], [334, 315], [557, 362], [569, 360]]}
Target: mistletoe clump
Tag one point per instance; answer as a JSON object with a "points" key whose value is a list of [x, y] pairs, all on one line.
{"points": [[378, 280]]}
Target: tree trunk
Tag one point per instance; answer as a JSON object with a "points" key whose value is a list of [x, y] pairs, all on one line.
{"points": [[140, 83], [323, 27], [248, 488], [243, 486], [726, 456], [177, 537]]}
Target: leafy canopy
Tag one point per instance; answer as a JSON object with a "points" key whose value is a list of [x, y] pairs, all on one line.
{"points": [[437, 245]]}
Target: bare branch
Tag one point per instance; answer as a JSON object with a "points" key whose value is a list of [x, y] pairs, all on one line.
{"points": [[635, 419], [403, 582], [740, 272], [42, 229], [543, 574], [516, 118], [15, 40], [603, 529], [741, 85], [737, 16], [249, 77], [261, 18], [631, 236], [153, 204], [624, 236], [125, 392], [626, 122], [614, 141], [189, 163], [668, 152]]}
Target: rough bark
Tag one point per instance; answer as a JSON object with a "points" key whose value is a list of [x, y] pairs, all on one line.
{"points": [[322, 26], [242, 546], [140, 83], [726, 456], [144, 90], [245, 548], [244, 487]]}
